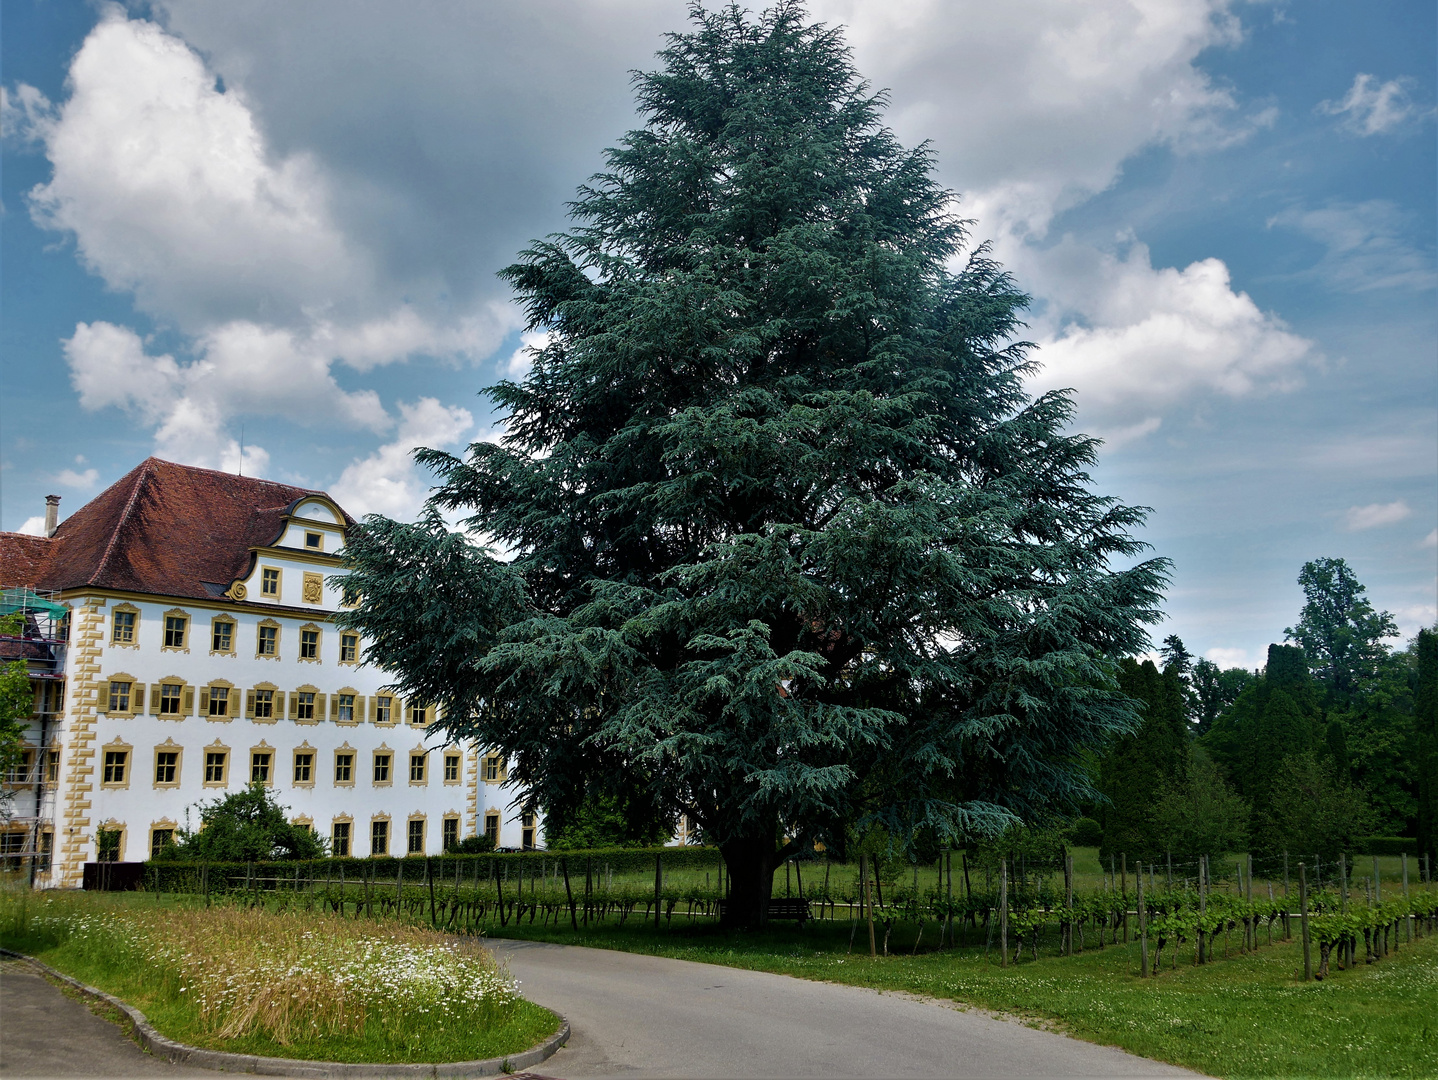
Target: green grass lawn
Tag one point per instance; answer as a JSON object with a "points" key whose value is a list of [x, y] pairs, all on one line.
{"points": [[1245, 1016]]}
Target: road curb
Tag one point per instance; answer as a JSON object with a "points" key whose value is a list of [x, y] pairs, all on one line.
{"points": [[179, 1054]]}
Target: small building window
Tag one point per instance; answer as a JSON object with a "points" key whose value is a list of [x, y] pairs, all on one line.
{"points": [[304, 705], [349, 648], [315, 540], [52, 768], [416, 837], [215, 761], [451, 768], [493, 769], [269, 641], [451, 833], [340, 840], [120, 696], [115, 761], [260, 767], [344, 768], [416, 714], [381, 768], [526, 822], [166, 763], [159, 840], [170, 694], [124, 631], [222, 637], [219, 701], [416, 768], [309, 644], [345, 708], [379, 838], [383, 709], [175, 627], [304, 764], [264, 704], [270, 582], [491, 827]]}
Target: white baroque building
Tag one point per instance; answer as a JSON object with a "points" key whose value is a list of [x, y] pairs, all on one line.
{"points": [[193, 651]]}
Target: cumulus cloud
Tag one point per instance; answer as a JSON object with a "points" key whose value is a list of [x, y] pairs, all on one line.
{"points": [[81, 480], [1369, 245], [1230, 658], [33, 526], [1431, 540], [1375, 515], [1137, 341], [1374, 108], [388, 481], [25, 114]]}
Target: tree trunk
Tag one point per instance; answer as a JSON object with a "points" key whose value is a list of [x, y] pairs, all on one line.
{"points": [[750, 861]]}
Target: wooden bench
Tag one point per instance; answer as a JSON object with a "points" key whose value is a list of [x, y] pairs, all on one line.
{"points": [[781, 908]]}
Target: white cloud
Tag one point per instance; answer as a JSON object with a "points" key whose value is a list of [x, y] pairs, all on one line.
{"points": [[82, 480], [1431, 540], [25, 114], [1231, 658], [1137, 342], [522, 359], [1376, 515], [388, 481], [33, 526], [1370, 245], [1373, 108]]}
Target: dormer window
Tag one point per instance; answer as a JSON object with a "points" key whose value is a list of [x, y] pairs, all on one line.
{"points": [[315, 541], [270, 582]]}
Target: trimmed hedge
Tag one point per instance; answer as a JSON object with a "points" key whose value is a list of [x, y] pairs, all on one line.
{"points": [[1388, 845]]}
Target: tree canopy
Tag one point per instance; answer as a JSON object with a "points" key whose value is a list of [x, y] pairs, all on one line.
{"points": [[789, 548], [1338, 630], [245, 825]]}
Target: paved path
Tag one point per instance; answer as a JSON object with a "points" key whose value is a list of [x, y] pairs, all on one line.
{"points": [[45, 1033], [644, 1016]]}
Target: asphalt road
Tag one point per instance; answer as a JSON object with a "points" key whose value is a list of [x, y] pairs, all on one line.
{"points": [[644, 1016]]}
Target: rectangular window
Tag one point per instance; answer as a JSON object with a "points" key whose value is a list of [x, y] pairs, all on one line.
{"points": [[115, 761], [124, 628], [159, 840], [120, 697], [451, 768], [222, 636], [340, 840], [345, 708], [349, 648], [381, 768], [379, 838], [303, 764], [416, 838], [52, 771], [309, 644], [526, 822], [270, 583], [170, 699], [451, 832], [344, 768], [382, 707], [19, 771], [416, 714], [305, 705], [219, 701], [416, 768], [491, 769], [214, 767], [314, 540], [269, 640], [166, 761], [491, 827], [175, 631], [259, 768], [264, 704]]}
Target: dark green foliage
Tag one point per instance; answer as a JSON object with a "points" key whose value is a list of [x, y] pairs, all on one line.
{"points": [[603, 820], [1425, 741], [1086, 832], [1214, 690], [792, 549], [1136, 768], [1386, 845], [249, 824], [472, 845], [17, 698], [1202, 814], [1311, 811], [1338, 629]]}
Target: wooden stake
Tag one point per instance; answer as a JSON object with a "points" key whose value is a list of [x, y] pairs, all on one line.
{"points": [[1303, 917], [868, 895], [1003, 913], [1142, 928]]}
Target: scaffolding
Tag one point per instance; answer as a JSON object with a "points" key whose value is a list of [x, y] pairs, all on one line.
{"points": [[39, 640]]}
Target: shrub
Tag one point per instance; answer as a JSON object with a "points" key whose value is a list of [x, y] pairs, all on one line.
{"points": [[1086, 832], [1386, 845]]}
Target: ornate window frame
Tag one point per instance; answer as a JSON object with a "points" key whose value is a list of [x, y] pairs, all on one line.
{"points": [[263, 747], [279, 592], [450, 816], [346, 635], [376, 819], [423, 834], [185, 635], [162, 825], [349, 821], [313, 752], [357, 706], [318, 631], [125, 609], [225, 617], [134, 701], [231, 699], [382, 750], [217, 747], [294, 704], [268, 624], [127, 767], [422, 753], [344, 748], [456, 755], [169, 746], [277, 703], [395, 703]]}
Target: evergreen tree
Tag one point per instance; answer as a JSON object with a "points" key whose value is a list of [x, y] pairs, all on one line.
{"points": [[1426, 741], [1215, 689], [792, 551], [1311, 811], [1339, 630], [1137, 769], [1202, 814]]}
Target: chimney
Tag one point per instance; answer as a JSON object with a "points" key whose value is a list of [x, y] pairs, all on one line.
{"points": [[52, 514]]}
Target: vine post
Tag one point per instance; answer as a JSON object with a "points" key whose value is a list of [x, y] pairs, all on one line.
{"points": [[1343, 882], [949, 921], [1408, 916], [1069, 903], [1123, 894], [866, 894], [1003, 913], [1202, 902], [1142, 928], [1377, 884], [1285, 875], [658, 884], [1303, 922]]}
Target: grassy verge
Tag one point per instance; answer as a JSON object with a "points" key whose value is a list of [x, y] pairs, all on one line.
{"points": [[281, 984], [1245, 1016]]}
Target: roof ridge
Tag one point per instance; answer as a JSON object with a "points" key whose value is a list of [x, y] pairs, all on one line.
{"points": [[252, 479], [145, 470]]}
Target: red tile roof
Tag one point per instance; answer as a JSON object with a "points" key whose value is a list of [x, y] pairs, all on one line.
{"points": [[165, 529]]}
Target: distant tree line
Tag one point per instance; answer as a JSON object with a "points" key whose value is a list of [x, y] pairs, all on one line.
{"points": [[1335, 740]]}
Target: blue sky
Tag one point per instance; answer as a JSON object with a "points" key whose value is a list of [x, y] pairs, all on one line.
{"points": [[280, 225]]}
